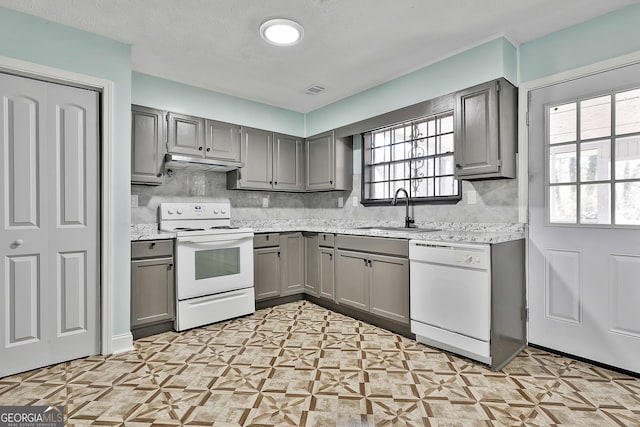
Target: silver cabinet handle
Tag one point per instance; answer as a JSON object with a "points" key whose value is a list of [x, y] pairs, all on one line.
{"points": [[18, 243]]}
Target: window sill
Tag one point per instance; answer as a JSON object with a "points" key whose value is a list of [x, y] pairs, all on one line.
{"points": [[444, 200]]}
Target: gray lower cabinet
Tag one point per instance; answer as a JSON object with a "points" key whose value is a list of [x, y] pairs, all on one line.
{"points": [[371, 280], [266, 265], [148, 145], [266, 271], [328, 162], [152, 287], [312, 268], [352, 279], [326, 273], [293, 263], [486, 131], [389, 287]]}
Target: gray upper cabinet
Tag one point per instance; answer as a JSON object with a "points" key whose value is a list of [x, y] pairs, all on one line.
{"points": [[287, 163], [186, 134], [328, 162], [256, 154], [148, 145], [486, 131], [271, 162], [222, 140]]}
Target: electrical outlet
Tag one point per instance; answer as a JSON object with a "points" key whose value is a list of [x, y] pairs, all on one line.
{"points": [[340, 202], [354, 201], [265, 202], [134, 200], [472, 197]]}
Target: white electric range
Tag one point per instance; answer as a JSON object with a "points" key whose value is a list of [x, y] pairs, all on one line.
{"points": [[214, 263]]}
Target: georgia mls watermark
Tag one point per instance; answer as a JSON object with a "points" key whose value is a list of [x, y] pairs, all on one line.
{"points": [[31, 416]]}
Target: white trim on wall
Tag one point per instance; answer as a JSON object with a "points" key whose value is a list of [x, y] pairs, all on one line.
{"points": [[43, 72], [122, 343], [523, 109]]}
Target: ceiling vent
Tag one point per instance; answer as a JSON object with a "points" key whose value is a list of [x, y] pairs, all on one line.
{"points": [[314, 90]]}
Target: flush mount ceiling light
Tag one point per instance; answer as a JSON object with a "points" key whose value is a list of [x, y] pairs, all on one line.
{"points": [[281, 32]]}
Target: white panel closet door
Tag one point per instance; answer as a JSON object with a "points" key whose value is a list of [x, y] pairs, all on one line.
{"points": [[49, 223], [584, 205]]}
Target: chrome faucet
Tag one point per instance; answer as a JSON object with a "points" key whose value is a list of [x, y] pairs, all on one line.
{"points": [[408, 221]]}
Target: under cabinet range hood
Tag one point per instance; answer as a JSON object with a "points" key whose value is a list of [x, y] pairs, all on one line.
{"points": [[191, 163]]}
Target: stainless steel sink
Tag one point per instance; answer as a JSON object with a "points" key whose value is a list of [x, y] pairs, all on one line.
{"points": [[404, 229]]}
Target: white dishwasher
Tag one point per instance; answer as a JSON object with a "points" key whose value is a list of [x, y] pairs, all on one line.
{"points": [[450, 285]]}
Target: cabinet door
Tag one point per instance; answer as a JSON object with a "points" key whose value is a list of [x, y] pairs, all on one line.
{"points": [[152, 291], [222, 140], [312, 278], [186, 134], [148, 145], [266, 272], [390, 287], [476, 130], [326, 272], [287, 163], [292, 245], [320, 162], [352, 279], [257, 155]]}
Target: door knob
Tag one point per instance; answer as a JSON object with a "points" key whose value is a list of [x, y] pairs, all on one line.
{"points": [[17, 243]]}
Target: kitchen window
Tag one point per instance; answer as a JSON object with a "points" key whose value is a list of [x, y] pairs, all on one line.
{"points": [[416, 155], [593, 160]]}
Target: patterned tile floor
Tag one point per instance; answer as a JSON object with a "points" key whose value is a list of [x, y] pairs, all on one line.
{"points": [[299, 364]]}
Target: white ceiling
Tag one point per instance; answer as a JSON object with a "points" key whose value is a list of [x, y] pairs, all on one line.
{"points": [[349, 45]]}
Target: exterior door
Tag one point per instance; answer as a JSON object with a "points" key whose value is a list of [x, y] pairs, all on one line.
{"points": [[49, 224], [584, 194]]}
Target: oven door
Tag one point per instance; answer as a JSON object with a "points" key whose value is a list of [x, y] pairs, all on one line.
{"points": [[211, 264]]}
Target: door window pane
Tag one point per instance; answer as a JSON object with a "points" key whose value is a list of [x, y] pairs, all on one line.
{"points": [[628, 158], [217, 262], [562, 204], [595, 161], [595, 117], [628, 112], [627, 202], [563, 121], [562, 163], [595, 204]]}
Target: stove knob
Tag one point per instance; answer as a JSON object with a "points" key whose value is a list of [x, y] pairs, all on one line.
{"points": [[179, 212], [468, 259], [223, 212], [215, 211], [170, 211]]}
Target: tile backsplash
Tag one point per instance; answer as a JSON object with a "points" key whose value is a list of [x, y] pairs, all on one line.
{"points": [[496, 202]]}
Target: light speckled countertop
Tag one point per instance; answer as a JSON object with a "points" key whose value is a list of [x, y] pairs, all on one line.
{"points": [[446, 232]]}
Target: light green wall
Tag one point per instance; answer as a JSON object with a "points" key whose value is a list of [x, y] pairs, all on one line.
{"points": [[607, 36], [38, 41], [473, 66], [173, 96]]}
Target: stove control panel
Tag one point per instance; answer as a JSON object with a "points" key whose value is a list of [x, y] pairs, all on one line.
{"points": [[217, 210]]}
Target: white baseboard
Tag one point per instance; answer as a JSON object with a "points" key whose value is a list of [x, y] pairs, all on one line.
{"points": [[122, 343]]}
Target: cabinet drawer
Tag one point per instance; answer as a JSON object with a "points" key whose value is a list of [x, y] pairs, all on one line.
{"points": [[326, 240], [266, 240], [380, 245], [151, 248]]}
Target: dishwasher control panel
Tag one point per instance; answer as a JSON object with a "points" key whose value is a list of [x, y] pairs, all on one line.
{"points": [[458, 254]]}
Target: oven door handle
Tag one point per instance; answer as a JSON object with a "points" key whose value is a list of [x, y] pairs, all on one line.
{"points": [[220, 238]]}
